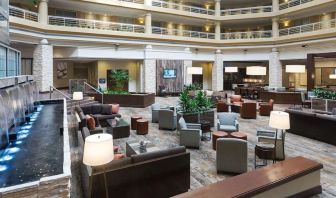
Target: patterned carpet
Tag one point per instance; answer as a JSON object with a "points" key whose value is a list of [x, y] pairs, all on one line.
{"points": [[203, 168]]}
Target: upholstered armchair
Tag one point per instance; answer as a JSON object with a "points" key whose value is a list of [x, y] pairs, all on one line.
{"points": [[222, 107], [167, 119], [231, 155], [155, 113], [227, 122], [248, 110], [266, 108], [268, 136], [236, 99], [305, 102], [190, 134]]}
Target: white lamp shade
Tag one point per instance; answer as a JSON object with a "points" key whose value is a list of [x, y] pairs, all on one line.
{"points": [[231, 69], [195, 70], [295, 68], [98, 149], [256, 71], [77, 95], [332, 76], [279, 120]]}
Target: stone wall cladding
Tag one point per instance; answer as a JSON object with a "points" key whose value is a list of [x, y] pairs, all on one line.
{"points": [[149, 76], [43, 66], [217, 72], [187, 77], [275, 69]]}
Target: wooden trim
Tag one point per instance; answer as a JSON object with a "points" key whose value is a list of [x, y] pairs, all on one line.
{"points": [[307, 193]]}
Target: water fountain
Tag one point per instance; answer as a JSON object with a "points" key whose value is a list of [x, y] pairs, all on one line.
{"points": [[4, 140]]}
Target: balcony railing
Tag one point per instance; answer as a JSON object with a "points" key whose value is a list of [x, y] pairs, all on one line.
{"points": [[246, 35], [292, 3], [308, 28], [250, 10], [134, 1], [93, 24], [24, 14], [192, 9], [184, 33]]}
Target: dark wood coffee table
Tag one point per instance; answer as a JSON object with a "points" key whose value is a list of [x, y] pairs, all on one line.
{"points": [[119, 129]]}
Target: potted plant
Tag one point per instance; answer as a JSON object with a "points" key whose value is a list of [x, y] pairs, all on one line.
{"points": [[120, 77]]}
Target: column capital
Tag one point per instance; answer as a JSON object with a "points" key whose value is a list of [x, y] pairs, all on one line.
{"points": [[218, 51], [275, 49], [148, 47], [43, 1], [218, 1], [148, 14], [44, 42], [275, 19]]}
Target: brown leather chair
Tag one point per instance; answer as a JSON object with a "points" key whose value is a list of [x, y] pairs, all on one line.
{"points": [[248, 110], [266, 108], [222, 107], [236, 99]]}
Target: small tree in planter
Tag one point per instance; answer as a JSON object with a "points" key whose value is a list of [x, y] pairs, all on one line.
{"points": [[120, 77]]}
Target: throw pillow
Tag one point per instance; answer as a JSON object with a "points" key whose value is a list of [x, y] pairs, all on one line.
{"points": [[115, 149], [182, 123], [90, 122], [115, 108], [96, 120], [118, 156]]}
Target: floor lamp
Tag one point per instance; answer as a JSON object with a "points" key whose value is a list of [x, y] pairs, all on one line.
{"points": [[231, 70], [98, 151], [279, 120]]}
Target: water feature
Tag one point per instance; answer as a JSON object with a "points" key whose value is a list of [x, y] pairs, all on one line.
{"points": [[4, 140]]}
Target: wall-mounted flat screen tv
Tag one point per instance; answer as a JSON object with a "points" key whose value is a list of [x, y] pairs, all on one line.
{"points": [[169, 73]]}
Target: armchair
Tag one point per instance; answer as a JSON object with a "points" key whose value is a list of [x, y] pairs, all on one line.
{"points": [[222, 107], [248, 110], [268, 136], [227, 122], [236, 99], [190, 134], [167, 119], [266, 108], [155, 113], [231, 155]]}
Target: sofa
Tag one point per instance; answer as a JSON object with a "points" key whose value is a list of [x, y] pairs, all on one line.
{"points": [[320, 127], [157, 174], [101, 113]]}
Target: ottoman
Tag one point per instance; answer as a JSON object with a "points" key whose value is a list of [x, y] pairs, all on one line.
{"points": [[216, 135], [142, 127], [134, 122]]}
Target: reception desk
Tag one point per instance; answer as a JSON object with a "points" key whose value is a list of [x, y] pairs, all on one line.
{"points": [[281, 97]]}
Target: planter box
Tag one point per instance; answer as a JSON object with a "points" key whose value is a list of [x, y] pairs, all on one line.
{"points": [[193, 118], [138, 100]]}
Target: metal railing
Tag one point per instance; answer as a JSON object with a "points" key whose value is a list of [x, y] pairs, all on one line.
{"points": [[186, 8], [184, 33], [24, 14], [246, 35], [134, 1], [94, 24], [95, 89], [52, 89], [249, 10], [308, 28], [292, 3]]}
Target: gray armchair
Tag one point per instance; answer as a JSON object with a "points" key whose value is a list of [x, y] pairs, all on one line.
{"points": [[155, 113], [231, 155], [190, 134], [227, 122], [268, 136], [167, 119]]}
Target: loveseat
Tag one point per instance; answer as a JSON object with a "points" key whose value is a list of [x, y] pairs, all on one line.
{"points": [[157, 174], [101, 113]]}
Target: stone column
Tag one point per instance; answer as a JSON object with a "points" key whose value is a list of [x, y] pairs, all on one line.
{"points": [[148, 23], [275, 69], [275, 27], [180, 29], [186, 64], [170, 27], [149, 72], [43, 65], [181, 5], [148, 2], [217, 8], [217, 72], [218, 30], [43, 11], [326, 20], [275, 5], [170, 4]]}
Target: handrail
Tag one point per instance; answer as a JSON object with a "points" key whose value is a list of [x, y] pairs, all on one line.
{"points": [[133, 1], [24, 14], [246, 35], [184, 33], [52, 88], [248, 10], [292, 3], [182, 7], [95, 24], [308, 27], [101, 93]]}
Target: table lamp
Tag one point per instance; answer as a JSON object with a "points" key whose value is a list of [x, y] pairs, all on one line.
{"points": [[280, 121], [77, 96], [98, 150]]}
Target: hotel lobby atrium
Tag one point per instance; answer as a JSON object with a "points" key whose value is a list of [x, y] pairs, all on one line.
{"points": [[167, 98]]}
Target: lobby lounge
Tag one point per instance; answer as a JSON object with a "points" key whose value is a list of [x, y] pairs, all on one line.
{"points": [[164, 98]]}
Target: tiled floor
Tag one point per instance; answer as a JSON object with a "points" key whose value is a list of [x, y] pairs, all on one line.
{"points": [[203, 170]]}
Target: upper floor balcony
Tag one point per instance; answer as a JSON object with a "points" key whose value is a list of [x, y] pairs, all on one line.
{"points": [[184, 33], [249, 10], [292, 3], [247, 35], [182, 7], [22, 13], [312, 27]]}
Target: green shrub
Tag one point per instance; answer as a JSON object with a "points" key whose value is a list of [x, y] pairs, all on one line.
{"points": [[198, 104], [324, 93]]}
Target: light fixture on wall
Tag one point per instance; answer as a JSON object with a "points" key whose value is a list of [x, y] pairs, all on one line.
{"points": [[295, 68], [195, 70], [333, 76], [256, 71], [231, 69]]}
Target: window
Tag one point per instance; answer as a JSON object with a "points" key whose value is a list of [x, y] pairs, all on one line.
{"points": [[4, 29], [3, 61], [12, 63], [26, 66]]}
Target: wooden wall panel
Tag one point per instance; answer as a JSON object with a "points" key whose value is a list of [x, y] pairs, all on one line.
{"points": [[172, 85]]}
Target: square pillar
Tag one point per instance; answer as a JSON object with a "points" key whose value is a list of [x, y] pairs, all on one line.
{"points": [[148, 72], [275, 69], [187, 77], [43, 65], [217, 72]]}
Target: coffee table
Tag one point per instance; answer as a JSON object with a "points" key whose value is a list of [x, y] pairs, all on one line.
{"points": [[119, 129], [133, 147]]}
